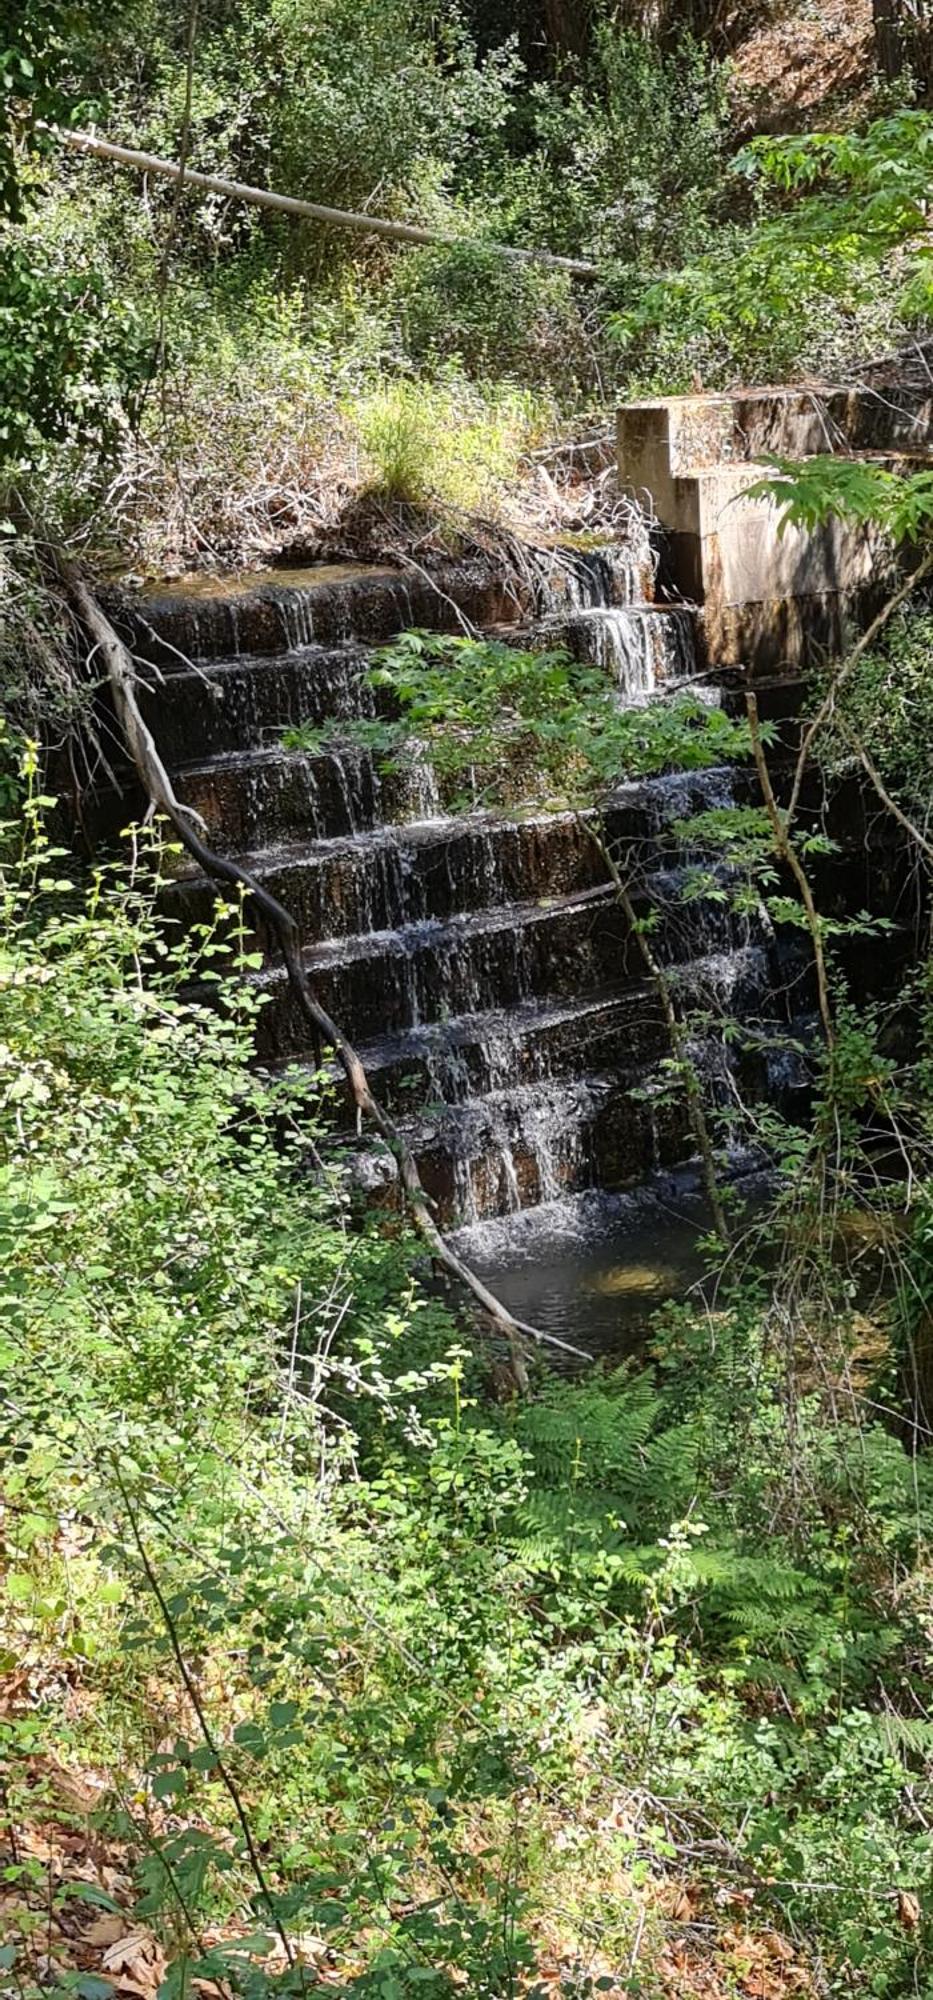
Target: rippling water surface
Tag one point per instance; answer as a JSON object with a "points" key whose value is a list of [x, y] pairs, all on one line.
{"points": [[592, 1269]]}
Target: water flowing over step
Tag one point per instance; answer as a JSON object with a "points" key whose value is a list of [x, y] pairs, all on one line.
{"points": [[282, 610], [490, 957], [388, 878], [513, 1149], [505, 1112], [483, 962], [642, 647], [470, 1055], [236, 704]]}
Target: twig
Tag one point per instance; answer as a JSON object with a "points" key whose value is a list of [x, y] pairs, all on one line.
{"points": [[675, 1029], [851, 660], [292, 1360], [205, 1728], [788, 854], [858, 750]]}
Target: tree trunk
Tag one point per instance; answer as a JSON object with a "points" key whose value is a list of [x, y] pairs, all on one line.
{"points": [[904, 42], [567, 24]]}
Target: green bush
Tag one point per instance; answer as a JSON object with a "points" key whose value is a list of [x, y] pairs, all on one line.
{"points": [[492, 318], [464, 1671], [447, 443]]}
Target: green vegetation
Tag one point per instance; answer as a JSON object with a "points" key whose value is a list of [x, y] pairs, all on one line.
{"points": [[174, 329], [838, 237], [327, 1662], [522, 728], [383, 1678]]}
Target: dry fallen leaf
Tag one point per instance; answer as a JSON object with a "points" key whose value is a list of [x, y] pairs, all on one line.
{"points": [[908, 1909], [137, 1963], [684, 1906], [106, 1930]]}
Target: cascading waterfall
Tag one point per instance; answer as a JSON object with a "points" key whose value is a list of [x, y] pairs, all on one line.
{"points": [[482, 963], [622, 642], [641, 647]]}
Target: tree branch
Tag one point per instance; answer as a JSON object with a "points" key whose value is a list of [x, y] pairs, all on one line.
{"points": [[785, 848], [858, 750], [851, 660], [370, 225], [159, 789]]}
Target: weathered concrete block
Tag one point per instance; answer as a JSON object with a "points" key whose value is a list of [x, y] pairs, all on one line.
{"points": [[767, 600]]}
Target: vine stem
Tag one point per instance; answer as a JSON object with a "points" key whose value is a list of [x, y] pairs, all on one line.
{"points": [[675, 1028], [784, 847], [123, 680]]}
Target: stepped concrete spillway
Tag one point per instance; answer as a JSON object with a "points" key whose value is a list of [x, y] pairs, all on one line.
{"points": [[481, 962]]}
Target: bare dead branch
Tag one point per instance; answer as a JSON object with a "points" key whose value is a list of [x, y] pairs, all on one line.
{"points": [[845, 668], [858, 750], [341, 218], [158, 786]]}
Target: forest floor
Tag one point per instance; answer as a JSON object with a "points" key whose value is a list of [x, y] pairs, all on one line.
{"points": [[813, 62], [80, 1911]]}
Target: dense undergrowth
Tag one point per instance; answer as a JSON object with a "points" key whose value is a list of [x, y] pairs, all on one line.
{"points": [[324, 1661], [241, 375], [355, 1676]]}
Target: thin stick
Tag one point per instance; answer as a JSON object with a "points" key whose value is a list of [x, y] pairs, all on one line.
{"points": [[851, 660], [292, 1363], [675, 1028], [788, 854], [858, 750], [206, 1731]]}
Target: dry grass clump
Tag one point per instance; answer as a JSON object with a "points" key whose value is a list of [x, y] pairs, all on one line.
{"points": [[241, 457], [228, 471]]}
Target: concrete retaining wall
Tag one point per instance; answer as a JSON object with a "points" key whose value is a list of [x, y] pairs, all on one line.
{"points": [[767, 601]]}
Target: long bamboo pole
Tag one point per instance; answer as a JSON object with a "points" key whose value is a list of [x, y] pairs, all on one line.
{"points": [[289, 204]]}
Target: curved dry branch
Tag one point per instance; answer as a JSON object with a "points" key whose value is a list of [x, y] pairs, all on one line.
{"points": [[845, 668], [785, 849], [857, 747], [122, 676]]}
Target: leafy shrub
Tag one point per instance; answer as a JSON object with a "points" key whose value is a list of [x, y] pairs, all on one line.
{"points": [[238, 1445], [814, 278], [631, 163], [493, 318], [517, 726]]}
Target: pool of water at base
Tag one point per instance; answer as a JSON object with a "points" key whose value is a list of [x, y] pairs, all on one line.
{"points": [[593, 1268]]}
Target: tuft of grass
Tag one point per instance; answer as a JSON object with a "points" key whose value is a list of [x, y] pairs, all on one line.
{"points": [[451, 442]]}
